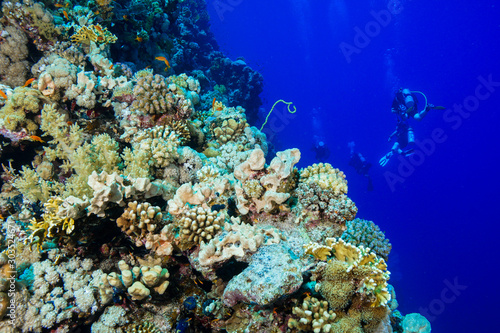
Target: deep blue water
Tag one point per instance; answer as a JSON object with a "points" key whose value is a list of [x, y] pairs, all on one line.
{"points": [[440, 215]]}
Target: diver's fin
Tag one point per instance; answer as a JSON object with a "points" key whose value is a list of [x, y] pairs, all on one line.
{"points": [[439, 108]]}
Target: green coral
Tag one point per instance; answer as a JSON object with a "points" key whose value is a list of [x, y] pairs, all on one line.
{"points": [[79, 159]]}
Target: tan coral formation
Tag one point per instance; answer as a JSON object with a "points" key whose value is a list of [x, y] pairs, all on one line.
{"points": [[314, 316], [200, 225], [139, 220], [271, 188], [138, 281], [13, 56], [155, 94], [238, 240], [327, 177]]}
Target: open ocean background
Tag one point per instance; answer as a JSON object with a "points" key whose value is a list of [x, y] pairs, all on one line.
{"points": [[440, 215]]}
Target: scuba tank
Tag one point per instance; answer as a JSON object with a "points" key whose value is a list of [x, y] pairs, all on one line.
{"points": [[408, 99]]}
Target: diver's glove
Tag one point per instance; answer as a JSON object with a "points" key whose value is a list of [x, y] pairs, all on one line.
{"points": [[384, 160]]}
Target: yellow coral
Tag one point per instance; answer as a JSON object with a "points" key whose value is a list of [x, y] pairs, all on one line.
{"points": [[51, 224], [320, 252], [361, 262], [344, 251], [93, 33]]}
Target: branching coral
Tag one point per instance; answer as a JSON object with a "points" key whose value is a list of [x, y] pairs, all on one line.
{"points": [[153, 147], [368, 234], [60, 293], [314, 316], [229, 129], [55, 74], [324, 175], [137, 281], [200, 225], [324, 203], [155, 94], [139, 220]]}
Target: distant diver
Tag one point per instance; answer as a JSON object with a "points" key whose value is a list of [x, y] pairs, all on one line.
{"points": [[360, 164], [320, 148], [405, 107]]}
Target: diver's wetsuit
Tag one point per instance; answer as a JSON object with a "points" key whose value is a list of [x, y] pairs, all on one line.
{"points": [[404, 131]]}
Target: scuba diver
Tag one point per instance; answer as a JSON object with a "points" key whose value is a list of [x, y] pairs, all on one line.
{"points": [[405, 106], [320, 148], [359, 163]]}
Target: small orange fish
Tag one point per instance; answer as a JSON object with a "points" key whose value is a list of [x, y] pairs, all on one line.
{"points": [[99, 28], [125, 17], [111, 67], [3, 94], [213, 103], [69, 123], [138, 39], [65, 15], [29, 82], [165, 61], [96, 12], [147, 67], [36, 138], [58, 5]]}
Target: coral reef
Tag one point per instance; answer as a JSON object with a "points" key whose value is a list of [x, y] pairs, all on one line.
{"points": [[136, 196]]}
